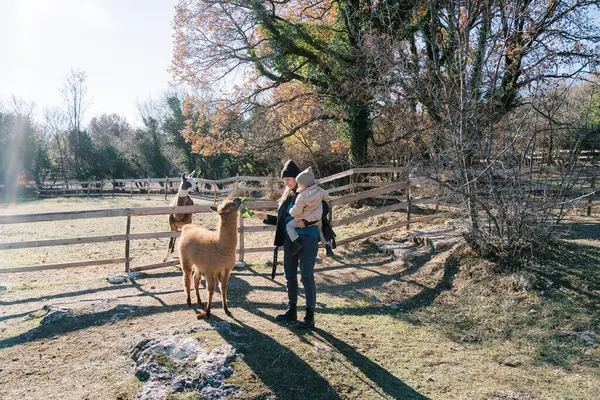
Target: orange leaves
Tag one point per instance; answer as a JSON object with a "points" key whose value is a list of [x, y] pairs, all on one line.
{"points": [[339, 146], [212, 132], [324, 11]]}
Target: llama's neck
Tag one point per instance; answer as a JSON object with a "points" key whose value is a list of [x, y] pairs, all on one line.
{"points": [[182, 201], [227, 231], [183, 193]]}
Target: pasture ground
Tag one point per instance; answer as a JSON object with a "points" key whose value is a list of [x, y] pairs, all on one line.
{"points": [[455, 331]]}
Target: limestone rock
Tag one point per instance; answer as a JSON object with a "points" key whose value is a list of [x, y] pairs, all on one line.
{"points": [[118, 279], [153, 391], [221, 327], [174, 364], [240, 265], [55, 314], [397, 250], [505, 394]]}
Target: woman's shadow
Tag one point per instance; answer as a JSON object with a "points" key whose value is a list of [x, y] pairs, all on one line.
{"points": [[286, 374]]}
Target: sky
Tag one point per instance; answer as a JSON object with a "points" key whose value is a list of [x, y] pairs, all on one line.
{"points": [[124, 47]]}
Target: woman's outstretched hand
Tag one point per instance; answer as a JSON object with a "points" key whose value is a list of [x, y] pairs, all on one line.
{"points": [[260, 215]]}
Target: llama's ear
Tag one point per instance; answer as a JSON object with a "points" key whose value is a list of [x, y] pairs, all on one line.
{"points": [[191, 175], [183, 176], [213, 208]]}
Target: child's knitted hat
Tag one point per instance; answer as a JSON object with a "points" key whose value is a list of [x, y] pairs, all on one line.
{"points": [[306, 177]]}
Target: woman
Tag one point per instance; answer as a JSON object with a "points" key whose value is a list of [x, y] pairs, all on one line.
{"points": [[306, 256]]}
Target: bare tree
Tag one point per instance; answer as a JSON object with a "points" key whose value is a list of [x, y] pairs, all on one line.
{"points": [[74, 92], [56, 126]]}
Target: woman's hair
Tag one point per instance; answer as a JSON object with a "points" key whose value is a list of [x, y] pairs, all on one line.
{"points": [[287, 193]]}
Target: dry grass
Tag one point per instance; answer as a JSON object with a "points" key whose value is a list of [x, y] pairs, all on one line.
{"points": [[460, 331]]}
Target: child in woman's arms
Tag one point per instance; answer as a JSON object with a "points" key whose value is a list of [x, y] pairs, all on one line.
{"points": [[308, 208]]}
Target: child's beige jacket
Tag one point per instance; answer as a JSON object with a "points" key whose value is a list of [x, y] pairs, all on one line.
{"points": [[308, 204]]}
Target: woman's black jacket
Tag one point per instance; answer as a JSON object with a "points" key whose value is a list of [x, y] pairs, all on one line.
{"points": [[279, 220]]}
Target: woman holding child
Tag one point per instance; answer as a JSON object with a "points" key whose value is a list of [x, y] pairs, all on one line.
{"points": [[298, 220]]}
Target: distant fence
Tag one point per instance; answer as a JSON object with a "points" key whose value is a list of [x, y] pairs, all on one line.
{"points": [[584, 156], [209, 188], [381, 189]]}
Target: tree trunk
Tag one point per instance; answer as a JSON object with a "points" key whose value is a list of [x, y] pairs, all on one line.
{"points": [[359, 124]]}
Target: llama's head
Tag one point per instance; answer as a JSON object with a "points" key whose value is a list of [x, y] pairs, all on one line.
{"points": [[228, 207], [188, 183]]}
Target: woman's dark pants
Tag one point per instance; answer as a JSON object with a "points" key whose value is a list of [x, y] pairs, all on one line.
{"points": [[306, 260]]}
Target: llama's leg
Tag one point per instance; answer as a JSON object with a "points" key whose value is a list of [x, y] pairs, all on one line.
{"points": [[210, 288], [224, 279], [171, 246], [187, 280], [197, 276], [169, 249]]}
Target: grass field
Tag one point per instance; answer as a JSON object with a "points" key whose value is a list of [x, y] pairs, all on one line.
{"points": [[456, 330]]}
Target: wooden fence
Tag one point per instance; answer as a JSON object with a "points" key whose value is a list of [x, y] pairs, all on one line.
{"points": [[380, 189], [368, 190]]}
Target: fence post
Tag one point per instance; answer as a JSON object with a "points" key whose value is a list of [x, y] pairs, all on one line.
{"points": [[408, 205], [131, 188], [88, 194], [113, 184], [127, 243], [241, 258], [149, 182], [589, 209], [215, 190], [166, 187]]}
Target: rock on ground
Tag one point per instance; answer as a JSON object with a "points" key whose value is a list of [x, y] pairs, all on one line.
{"points": [[174, 364], [240, 265], [505, 394], [117, 279], [55, 314]]}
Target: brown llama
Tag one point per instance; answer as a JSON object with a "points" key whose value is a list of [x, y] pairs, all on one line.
{"points": [[210, 252], [176, 221]]}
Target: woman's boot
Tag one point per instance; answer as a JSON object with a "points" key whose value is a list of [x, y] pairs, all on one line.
{"points": [[309, 319], [290, 315]]}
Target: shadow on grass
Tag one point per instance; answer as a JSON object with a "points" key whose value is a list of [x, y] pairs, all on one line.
{"points": [[273, 363], [423, 299], [561, 350], [386, 382], [284, 372], [581, 230], [79, 322], [65, 295], [572, 266]]}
